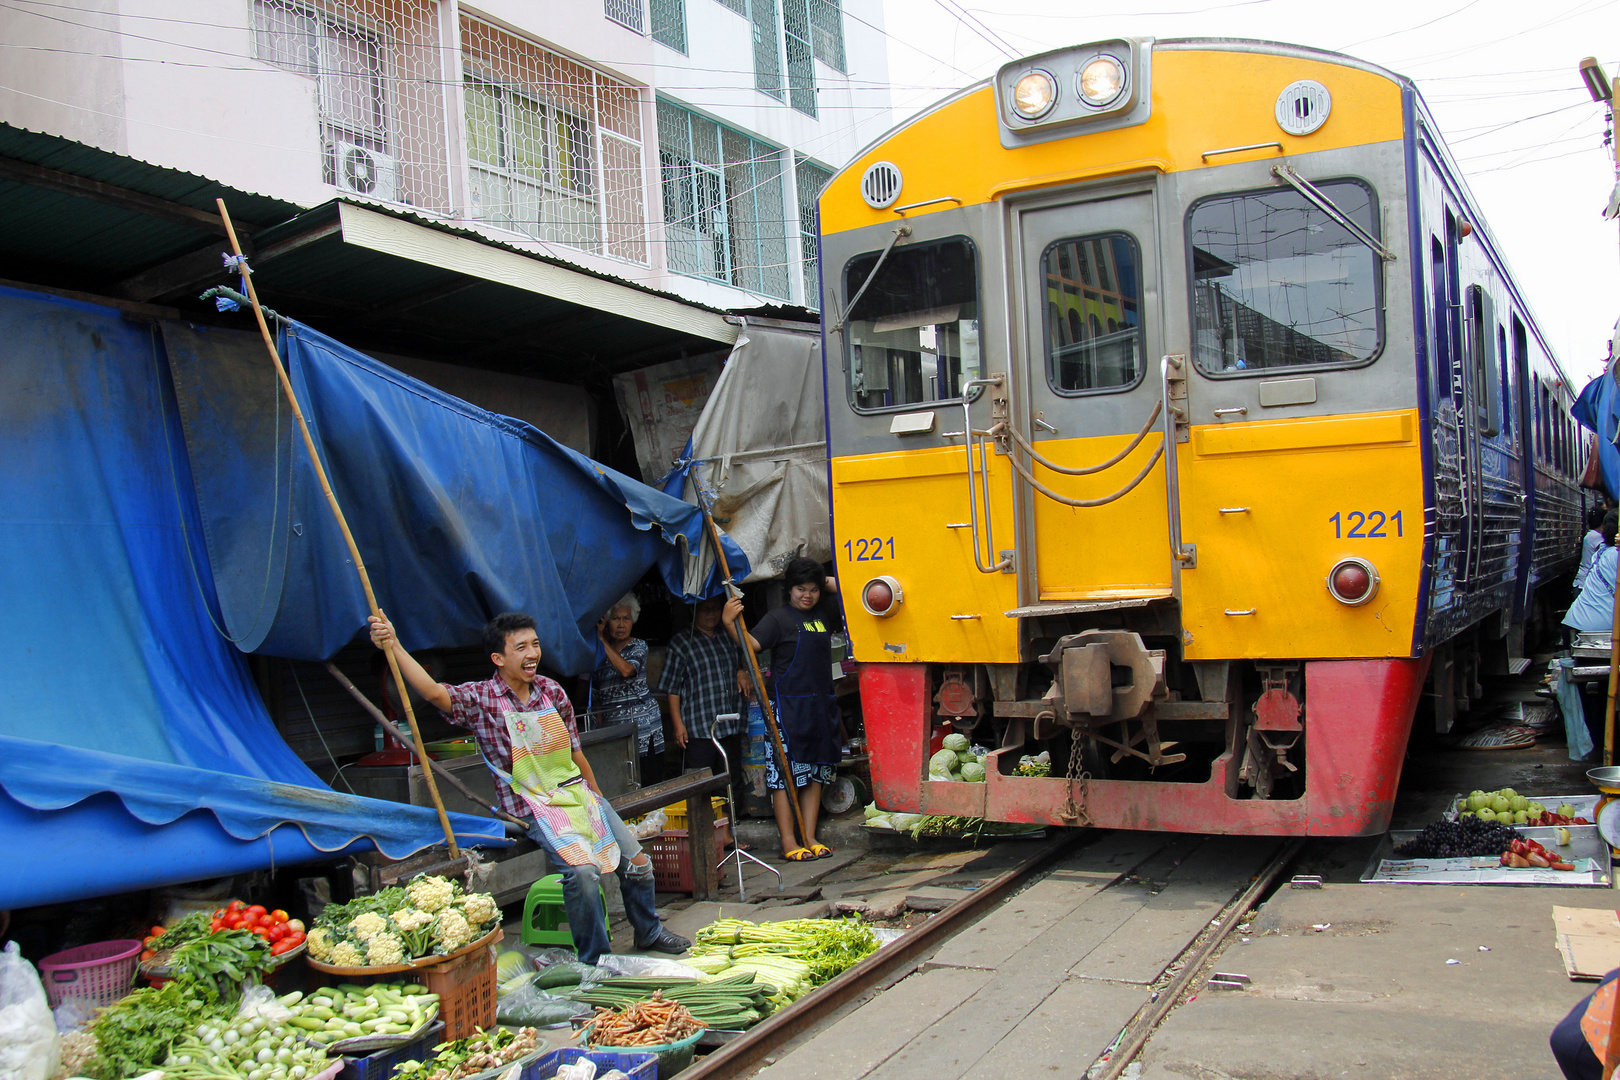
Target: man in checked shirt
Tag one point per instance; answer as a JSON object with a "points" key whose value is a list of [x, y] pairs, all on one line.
{"points": [[481, 707]]}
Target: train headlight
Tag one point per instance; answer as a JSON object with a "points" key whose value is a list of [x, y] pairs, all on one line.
{"points": [[1101, 81], [1034, 95], [1353, 581], [881, 596]]}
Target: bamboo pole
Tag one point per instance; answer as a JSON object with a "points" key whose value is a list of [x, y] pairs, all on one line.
{"points": [[343, 524], [759, 680], [392, 729]]}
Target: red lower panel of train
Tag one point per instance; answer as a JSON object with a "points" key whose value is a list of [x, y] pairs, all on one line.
{"points": [[1358, 716]]}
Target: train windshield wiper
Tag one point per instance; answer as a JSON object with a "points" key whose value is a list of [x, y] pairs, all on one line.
{"points": [[1287, 175]]}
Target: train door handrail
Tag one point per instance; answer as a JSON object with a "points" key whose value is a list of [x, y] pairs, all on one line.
{"points": [[1039, 458], [1184, 554], [1029, 477], [980, 500]]}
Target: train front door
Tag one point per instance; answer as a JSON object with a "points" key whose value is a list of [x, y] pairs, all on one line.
{"points": [[1092, 340]]}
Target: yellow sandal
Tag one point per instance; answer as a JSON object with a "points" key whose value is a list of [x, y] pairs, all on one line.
{"points": [[799, 854]]}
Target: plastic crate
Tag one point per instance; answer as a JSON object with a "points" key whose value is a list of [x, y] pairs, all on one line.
{"points": [[466, 987], [676, 812], [99, 973], [637, 1066], [671, 855], [379, 1065]]}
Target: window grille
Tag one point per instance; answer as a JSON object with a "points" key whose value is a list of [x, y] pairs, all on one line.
{"points": [[669, 23], [827, 32], [723, 203], [739, 6], [810, 178], [767, 51], [801, 65], [554, 147], [629, 13], [378, 75]]}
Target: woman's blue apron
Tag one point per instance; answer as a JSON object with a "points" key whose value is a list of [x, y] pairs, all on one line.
{"points": [[804, 702]]}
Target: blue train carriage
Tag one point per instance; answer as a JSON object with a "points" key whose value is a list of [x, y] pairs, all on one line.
{"points": [[1182, 415]]}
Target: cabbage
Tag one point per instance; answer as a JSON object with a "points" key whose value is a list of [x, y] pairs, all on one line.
{"points": [[903, 822], [956, 742], [943, 761], [967, 757], [872, 811], [880, 821], [973, 773]]}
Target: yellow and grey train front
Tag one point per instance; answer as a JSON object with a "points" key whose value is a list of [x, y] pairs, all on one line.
{"points": [[1127, 420]]}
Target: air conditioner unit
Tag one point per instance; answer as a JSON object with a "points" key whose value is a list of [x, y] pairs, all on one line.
{"points": [[363, 171]]}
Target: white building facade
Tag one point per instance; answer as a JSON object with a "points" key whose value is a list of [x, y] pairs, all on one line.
{"points": [[677, 144]]}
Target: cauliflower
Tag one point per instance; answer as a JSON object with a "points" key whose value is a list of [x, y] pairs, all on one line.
{"points": [[409, 919], [368, 926], [320, 943], [479, 908], [431, 893], [346, 954], [450, 930], [384, 949]]}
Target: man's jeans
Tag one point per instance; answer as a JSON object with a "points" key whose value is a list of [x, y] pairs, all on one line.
{"points": [[582, 901]]}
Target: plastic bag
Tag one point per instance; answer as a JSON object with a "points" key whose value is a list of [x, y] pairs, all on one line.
{"points": [[73, 1014], [617, 964], [30, 1048], [262, 1001], [651, 825], [583, 1069], [544, 958], [529, 1006]]}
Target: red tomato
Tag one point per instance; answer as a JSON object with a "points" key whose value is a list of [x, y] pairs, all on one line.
{"points": [[236, 905], [257, 911], [147, 955], [219, 913], [262, 930], [233, 921], [278, 931], [278, 915], [157, 931], [296, 937], [284, 945], [215, 926]]}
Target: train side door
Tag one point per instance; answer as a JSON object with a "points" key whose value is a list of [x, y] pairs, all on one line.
{"points": [[1092, 341]]}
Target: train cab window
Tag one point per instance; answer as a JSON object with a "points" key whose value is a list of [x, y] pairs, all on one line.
{"points": [[1093, 332], [1277, 282], [913, 336]]}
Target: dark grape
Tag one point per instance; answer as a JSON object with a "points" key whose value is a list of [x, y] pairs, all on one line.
{"points": [[1459, 839]]}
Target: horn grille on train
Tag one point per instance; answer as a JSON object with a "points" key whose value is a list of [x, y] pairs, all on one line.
{"points": [[880, 185]]}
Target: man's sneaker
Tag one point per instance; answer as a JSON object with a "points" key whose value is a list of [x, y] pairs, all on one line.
{"points": [[667, 942]]}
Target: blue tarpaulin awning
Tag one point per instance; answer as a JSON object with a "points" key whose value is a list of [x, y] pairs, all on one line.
{"points": [[135, 750], [1596, 409]]}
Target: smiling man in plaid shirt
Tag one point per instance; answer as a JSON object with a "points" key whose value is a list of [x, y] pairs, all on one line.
{"points": [[481, 707]]}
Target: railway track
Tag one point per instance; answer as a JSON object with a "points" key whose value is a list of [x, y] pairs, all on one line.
{"points": [[1113, 926]]}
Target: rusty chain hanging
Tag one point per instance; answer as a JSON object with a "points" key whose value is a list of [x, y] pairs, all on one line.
{"points": [[1075, 810]]}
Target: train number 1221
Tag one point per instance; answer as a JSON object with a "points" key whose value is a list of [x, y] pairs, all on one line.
{"points": [[1372, 525], [868, 550]]}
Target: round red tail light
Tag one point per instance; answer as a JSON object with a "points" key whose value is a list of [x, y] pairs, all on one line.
{"points": [[1353, 581], [881, 596]]}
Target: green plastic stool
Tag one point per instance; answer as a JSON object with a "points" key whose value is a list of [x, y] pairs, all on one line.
{"points": [[543, 913]]}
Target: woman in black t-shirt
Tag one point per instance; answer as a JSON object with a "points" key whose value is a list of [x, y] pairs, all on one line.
{"points": [[801, 688]]}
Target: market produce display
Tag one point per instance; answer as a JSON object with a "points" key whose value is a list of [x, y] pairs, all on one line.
{"points": [[956, 760], [243, 1048], [475, 1054], [1459, 839], [920, 825], [1508, 807], [225, 958], [429, 916], [284, 934], [354, 1012], [1525, 854], [732, 1002], [135, 1034], [826, 947], [193, 926], [654, 1022]]}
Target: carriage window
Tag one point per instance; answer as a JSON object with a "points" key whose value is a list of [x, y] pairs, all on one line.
{"points": [[914, 335], [1093, 327], [1278, 283]]}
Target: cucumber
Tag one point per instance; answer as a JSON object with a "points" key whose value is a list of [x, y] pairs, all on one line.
{"points": [[308, 1023], [413, 988]]}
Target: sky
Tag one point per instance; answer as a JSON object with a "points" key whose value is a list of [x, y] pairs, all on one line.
{"points": [[1500, 77]]}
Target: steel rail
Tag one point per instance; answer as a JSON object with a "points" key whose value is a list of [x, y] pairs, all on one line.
{"points": [[1145, 1022], [885, 966]]}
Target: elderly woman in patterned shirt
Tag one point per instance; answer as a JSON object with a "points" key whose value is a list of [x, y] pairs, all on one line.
{"points": [[619, 686]]}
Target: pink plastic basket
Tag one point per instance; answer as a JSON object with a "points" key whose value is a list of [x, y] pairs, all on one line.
{"points": [[99, 973]]}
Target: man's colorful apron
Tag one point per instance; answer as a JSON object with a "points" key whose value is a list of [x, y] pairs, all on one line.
{"points": [[571, 816]]}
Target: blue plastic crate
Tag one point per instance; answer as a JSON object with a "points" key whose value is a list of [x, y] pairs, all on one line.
{"points": [[379, 1065], [637, 1066]]}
